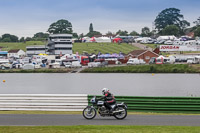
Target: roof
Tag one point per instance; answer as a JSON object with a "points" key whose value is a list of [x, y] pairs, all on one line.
{"points": [[14, 51], [140, 52], [137, 52]]}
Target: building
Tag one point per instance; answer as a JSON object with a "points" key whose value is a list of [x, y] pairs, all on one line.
{"points": [[35, 50], [59, 44], [146, 55], [3, 54], [17, 53]]}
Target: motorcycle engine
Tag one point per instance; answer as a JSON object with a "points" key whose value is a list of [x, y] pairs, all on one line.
{"points": [[102, 109]]}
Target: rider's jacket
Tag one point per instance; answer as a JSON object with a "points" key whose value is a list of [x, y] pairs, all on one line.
{"points": [[108, 97]]}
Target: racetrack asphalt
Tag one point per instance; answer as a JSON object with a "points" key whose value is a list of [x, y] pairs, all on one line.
{"points": [[55, 120]]}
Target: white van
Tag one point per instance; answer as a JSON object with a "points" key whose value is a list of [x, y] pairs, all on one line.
{"points": [[76, 64], [190, 60], [135, 61], [193, 60]]}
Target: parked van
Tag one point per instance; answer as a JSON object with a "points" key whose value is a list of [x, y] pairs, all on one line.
{"points": [[76, 64], [135, 61], [193, 60], [190, 60]]}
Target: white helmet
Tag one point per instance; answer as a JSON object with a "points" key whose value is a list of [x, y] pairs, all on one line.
{"points": [[105, 90]]}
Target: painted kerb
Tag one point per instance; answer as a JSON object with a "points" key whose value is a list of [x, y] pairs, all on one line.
{"points": [[160, 104], [43, 102]]}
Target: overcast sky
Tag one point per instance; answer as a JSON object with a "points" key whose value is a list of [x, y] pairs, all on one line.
{"points": [[27, 17]]}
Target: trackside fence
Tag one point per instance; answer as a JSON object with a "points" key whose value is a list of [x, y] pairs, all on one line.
{"points": [[160, 104], [43, 102]]}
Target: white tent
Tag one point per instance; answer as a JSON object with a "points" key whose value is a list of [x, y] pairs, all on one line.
{"points": [[86, 39], [142, 39], [103, 39], [166, 38]]}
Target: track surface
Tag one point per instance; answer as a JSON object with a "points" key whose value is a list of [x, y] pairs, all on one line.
{"points": [[43, 120]]}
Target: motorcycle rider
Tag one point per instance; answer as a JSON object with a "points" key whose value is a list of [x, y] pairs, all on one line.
{"points": [[109, 99]]}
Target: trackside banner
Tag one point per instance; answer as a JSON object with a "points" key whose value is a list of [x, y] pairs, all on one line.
{"points": [[179, 48]]}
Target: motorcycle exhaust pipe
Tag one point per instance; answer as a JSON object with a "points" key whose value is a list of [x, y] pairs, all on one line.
{"points": [[118, 111]]}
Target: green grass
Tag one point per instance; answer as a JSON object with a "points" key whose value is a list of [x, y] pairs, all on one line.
{"points": [[165, 68], [19, 45], [80, 113], [153, 46], [103, 48], [77, 47], [99, 129]]}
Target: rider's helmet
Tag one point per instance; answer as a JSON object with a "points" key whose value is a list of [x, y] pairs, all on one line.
{"points": [[105, 90]]}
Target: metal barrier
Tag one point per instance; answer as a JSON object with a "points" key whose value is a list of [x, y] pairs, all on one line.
{"points": [[160, 104], [43, 102]]}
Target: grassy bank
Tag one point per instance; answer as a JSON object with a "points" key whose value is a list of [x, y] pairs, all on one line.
{"points": [[166, 68], [77, 47], [64, 70], [103, 48], [98, 129], [19, 45]]}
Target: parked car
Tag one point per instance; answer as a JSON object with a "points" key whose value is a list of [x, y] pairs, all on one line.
{"points": [[169, 42], [68, 64], [28, 66], [94, 64], [56, 65]]}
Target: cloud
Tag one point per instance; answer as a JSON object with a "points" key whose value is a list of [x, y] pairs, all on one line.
{"points": [[27, 17]]}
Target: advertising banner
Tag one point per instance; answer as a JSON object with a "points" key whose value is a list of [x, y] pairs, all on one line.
{"points": [[179, 48]]}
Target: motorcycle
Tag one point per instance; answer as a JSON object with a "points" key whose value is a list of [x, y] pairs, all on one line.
{"points": [[119, 110]]}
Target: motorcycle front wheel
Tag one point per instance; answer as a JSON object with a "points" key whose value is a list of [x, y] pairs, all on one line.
{"points": [[89, 113], [121, 115]]}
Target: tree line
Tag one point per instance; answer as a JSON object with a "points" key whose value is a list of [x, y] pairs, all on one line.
{"points": [[169, 21]]}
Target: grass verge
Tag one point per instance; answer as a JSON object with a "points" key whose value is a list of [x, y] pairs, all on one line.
{"points": [[80, 112], [99, 129], [46, 70], [165, 68]]}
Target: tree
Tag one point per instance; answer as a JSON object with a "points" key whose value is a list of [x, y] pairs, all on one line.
{"points": [[171, 30], [6, 39], [91, 28], [75, 35], [91, 32], [41, 35], [9, 38], [183, 25], [122, 33], [22, 39], [197, 32], [28, 39], [134, 33], [145, 32], [61, 26], [197, 22], [170, 16]]}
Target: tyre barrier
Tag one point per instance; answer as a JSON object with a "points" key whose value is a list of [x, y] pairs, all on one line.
{"points": [[43, 102], [160, 104]]}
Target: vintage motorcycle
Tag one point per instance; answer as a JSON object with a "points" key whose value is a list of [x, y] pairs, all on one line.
{"points": [[119, 110]]}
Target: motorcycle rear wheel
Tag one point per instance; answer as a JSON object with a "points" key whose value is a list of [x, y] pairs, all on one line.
{"points": [[121, 115], [89, 113]]}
